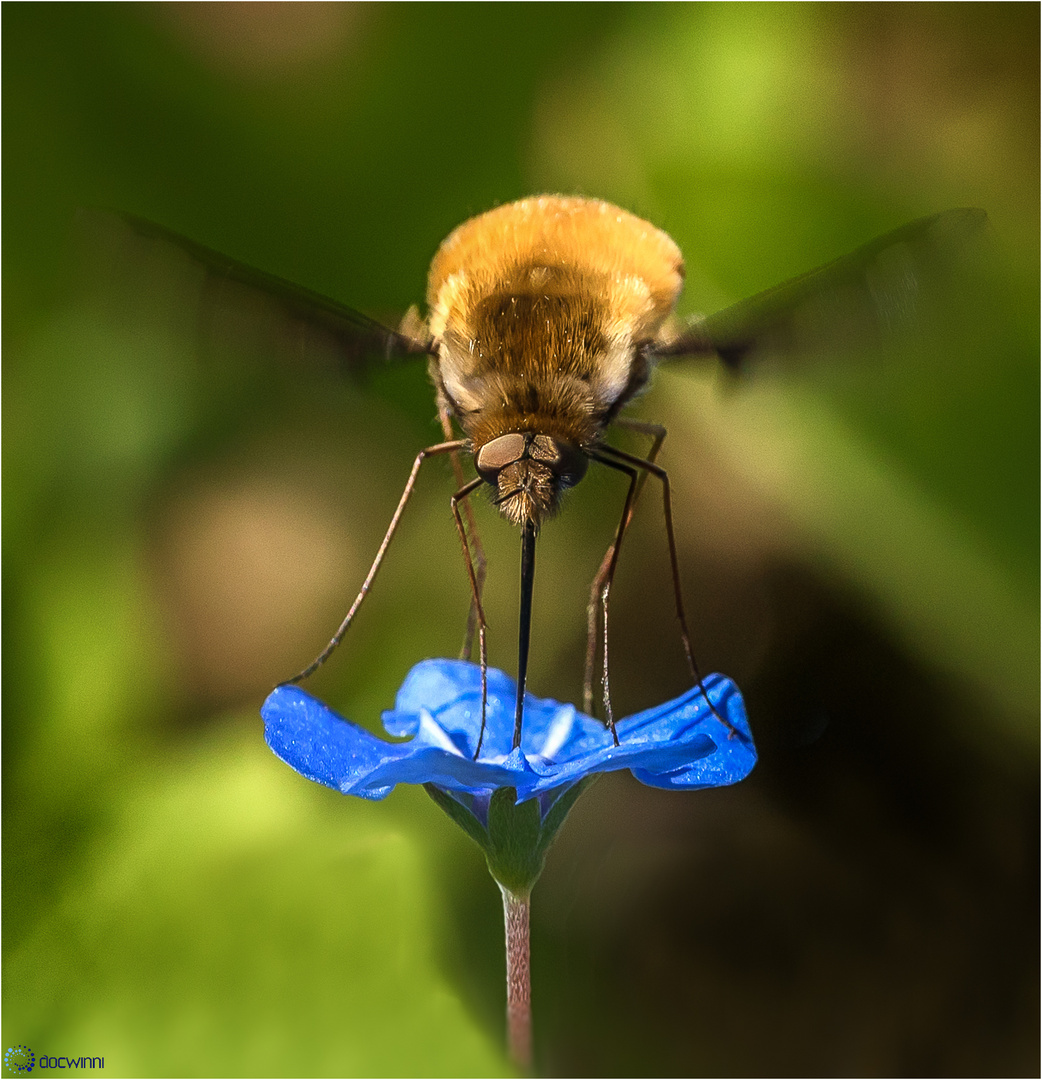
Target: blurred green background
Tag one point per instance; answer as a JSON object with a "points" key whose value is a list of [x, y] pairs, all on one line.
{"points": [[181, 530]]}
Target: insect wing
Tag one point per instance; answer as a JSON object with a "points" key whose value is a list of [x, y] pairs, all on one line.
{"points": [[357, 341], [853, 303]]}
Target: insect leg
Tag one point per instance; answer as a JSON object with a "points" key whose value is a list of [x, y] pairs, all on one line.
{"points": [[667, 506], [593, 605], [613, 551], [475, 594], [479, 551], [323, 656]]}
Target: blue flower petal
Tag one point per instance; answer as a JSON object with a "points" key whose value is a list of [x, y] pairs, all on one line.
{"points": [[680, 744], [311, 738], [449, 691]]}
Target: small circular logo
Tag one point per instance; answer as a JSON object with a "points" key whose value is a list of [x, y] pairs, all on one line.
{"points": [[19, 1059]]}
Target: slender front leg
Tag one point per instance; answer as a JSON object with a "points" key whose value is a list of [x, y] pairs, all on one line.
{"points": [[475, 599], [658, 433], [613, 551], [421, 457], [479, 551], [667, 507]]}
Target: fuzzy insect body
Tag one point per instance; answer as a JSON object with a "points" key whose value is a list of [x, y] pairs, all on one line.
{"points": [[542, 317]]}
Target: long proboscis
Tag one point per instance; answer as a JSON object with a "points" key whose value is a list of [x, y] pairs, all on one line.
{"points": [[524, 634]]}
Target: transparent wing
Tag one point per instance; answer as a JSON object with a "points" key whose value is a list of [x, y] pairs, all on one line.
{"points": [[357, 341], [852, 303]]}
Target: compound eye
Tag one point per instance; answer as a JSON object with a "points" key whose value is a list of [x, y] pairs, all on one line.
{"points": [[565, 461], [545, 449], [571, 464], [498, 454]]}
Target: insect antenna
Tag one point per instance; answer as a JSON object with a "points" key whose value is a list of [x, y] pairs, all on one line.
{"points": [[498, 500]]}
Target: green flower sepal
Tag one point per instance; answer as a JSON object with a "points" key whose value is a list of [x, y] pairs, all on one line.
{"points": [[515, 837]]}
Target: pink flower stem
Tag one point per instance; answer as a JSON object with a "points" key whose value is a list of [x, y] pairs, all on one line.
{"points": [[519, 980]]}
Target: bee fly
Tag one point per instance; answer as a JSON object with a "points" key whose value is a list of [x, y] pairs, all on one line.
{"points": [[545, 318]]}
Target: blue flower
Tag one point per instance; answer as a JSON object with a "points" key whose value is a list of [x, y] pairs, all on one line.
{"points": [[680, 745], [511, 802]]}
